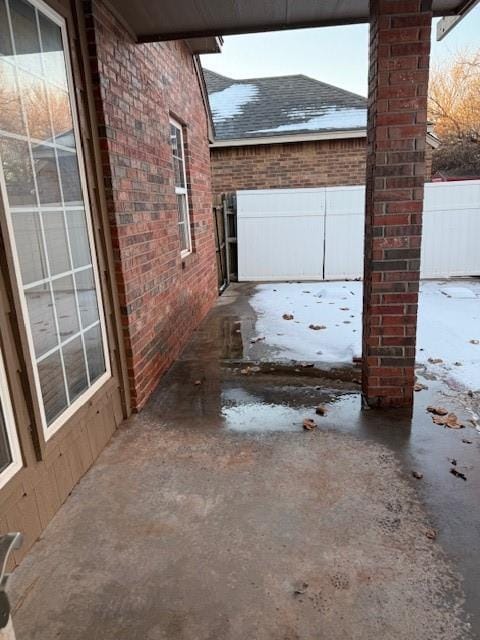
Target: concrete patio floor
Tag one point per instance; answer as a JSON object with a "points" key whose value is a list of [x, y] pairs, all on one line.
{"points": [[213, 514]]}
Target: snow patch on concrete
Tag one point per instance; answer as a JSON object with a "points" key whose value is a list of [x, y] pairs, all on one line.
{"points": [[446, 325], [230, 102]]}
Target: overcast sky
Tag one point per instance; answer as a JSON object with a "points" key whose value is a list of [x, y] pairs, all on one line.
{"points": [[337, 55]]}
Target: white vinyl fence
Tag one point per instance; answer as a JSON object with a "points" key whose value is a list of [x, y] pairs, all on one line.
{"points": [[317, 234]]}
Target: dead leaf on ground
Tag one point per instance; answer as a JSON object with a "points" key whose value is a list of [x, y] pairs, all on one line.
{"points": [[254, 340], [317, 327], [301, 590], [309, 424], [435, 360], [287, 316], [321, 410], [417, 475], [438, 411], [431, 534], [450, 421], [248, 370], [419, 386], [458, 474]]}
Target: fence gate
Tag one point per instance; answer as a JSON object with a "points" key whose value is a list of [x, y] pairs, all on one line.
{"points": [[220, 247], [317, 234]]}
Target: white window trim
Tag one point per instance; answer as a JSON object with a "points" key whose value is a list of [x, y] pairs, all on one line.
{"points": [[51, 429], [184, 191], [6, 405]]}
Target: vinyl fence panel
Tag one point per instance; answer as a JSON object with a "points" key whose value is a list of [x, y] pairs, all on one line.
{"points": [[280, 234], [315, 234]]}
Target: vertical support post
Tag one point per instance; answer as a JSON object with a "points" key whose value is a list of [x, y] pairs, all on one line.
{"points": [[396, 140]]}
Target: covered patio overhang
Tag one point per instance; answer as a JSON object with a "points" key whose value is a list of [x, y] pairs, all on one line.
{"points": [[399, 50], [152, 20]]}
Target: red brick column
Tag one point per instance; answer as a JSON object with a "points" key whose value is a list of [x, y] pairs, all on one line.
{"points": [[397, 115]]}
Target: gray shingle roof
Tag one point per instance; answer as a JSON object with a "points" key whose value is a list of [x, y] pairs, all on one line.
{"points": [[279, 106]]}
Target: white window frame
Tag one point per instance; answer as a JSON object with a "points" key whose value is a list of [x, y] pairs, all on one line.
{"points": [[50, 429], [183, 190], [11, 433]]}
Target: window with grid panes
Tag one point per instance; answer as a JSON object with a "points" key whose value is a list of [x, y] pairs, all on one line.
{"points": [[46, 202], [178, 153]]}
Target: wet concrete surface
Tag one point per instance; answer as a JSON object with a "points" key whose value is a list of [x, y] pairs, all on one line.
{"points": [[214, 515]]}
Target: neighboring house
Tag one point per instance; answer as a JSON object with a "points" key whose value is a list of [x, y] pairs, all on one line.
{"points": [[272, 132], [107, 249]]}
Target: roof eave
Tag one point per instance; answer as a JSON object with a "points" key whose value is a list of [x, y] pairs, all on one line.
{"points": [[432, 139], [294, 137], [204, 45]]}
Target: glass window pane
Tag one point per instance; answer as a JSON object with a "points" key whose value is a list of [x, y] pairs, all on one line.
{"points": [[28, 240], [66, 307], [182, 207], [10, 107], [75, 369], [52, 385], [183, 237], [17, 170], [25, 34], [61, 117], [53, 57], [177, 153], [46, 173], [178, 133], [173, 140], [5, 40], [56, 240], [42, 320], [95, 355], [79, 244], [70, 177], [34, 95], [5, 453], [87, 297], [179, 173], [183, 221]]}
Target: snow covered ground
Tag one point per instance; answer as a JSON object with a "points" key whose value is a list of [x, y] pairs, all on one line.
{"points": [[449, 319]]}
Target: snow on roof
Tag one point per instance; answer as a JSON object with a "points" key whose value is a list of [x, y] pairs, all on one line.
{"points": [[229, 102], [279, 105], [332, 118]]}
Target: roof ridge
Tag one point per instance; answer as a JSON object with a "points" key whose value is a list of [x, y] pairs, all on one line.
{"points": [[288, 75], [219, 75]]}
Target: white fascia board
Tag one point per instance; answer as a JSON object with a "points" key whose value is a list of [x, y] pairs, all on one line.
{"points": [[297, 137], [302, 137]]}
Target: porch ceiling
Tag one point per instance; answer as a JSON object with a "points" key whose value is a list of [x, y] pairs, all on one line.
{"points": [[151, 20]]}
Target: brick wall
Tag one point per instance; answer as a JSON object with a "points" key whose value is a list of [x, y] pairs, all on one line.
{"points": [[397, 116], [290, 165], [137, 89]]}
